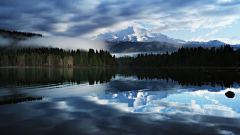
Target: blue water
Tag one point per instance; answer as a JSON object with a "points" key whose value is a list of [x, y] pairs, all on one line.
{"points": [[123, 105]]}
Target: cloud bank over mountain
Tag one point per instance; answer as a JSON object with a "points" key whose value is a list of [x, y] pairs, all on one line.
{"points": [[135, 34]]}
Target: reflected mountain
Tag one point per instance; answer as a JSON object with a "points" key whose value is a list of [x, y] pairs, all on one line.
{"points": [[139, 95], [198, 101]]}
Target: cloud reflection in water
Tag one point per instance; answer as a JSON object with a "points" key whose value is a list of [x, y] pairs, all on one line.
{"points": [[124, 106]]}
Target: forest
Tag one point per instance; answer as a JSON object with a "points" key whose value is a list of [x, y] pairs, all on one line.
{"points": [[223, 56], [17, 34], [50, 57], [55, 57]]}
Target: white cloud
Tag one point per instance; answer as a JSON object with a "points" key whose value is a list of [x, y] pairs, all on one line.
{"points": [[87, 19], [100, 16], [65, 42], [223, 111], [212, 32], [199, 38], [224, 1], [229, 40], [193, 30]]}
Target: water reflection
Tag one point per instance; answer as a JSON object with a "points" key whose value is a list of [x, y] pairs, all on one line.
{"points": [[104, 101], [227, 77], [45, 77], [17, 98], [150, 96]]}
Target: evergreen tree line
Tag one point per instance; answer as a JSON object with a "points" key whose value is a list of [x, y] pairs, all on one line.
{"points": [[18, 33], [55, 57], [223, 56]]}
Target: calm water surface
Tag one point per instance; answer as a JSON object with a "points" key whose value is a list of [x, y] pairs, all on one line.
{"points": [[119, 101]]}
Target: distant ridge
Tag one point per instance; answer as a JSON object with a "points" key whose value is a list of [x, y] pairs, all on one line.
{"points": [[211, 42], [17, 34], [124, 47]]}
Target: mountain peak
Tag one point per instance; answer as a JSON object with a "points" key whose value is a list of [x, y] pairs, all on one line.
{"points": [[134, 34]]}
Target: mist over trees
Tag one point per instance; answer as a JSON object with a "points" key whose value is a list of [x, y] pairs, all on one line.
{"points": [[223, 56], [55, 57], [49, 57], [12, 38]]}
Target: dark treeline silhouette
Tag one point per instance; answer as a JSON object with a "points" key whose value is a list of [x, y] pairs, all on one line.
{"points": [[48, 77], [17, 98], [56, 77], [186, 76], [125, 61], [55, 57], [12, 34], [223, 56]]}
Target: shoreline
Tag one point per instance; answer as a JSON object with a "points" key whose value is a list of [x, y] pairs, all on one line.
{"points": [[180, 67], [117, 67], [54, 67]]}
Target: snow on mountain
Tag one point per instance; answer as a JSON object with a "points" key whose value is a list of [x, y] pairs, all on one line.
{"points": [[133, 34]]}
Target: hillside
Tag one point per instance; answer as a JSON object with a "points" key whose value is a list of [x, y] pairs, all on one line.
{"points": [[124, 47], [17, 35]]}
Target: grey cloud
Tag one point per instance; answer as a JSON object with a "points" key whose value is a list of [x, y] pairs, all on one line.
{"points": [[43, 27], [175, 26], [12, 3], [221, 12], [15, 15], [103, 21], [232, 3], [86, 117], [39, 10]]}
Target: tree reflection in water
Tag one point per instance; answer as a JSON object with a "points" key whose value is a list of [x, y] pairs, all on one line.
{"points": [[158, 106]]}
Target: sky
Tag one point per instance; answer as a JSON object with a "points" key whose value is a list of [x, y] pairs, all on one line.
{"points": [[190, 20]]}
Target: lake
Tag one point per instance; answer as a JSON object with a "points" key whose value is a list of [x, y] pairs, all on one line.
{"points": [[135, 54], [119, 101]]}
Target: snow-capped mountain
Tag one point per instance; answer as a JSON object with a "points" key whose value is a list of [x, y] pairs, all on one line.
{"points": [[133, 34], [135, 39]]}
